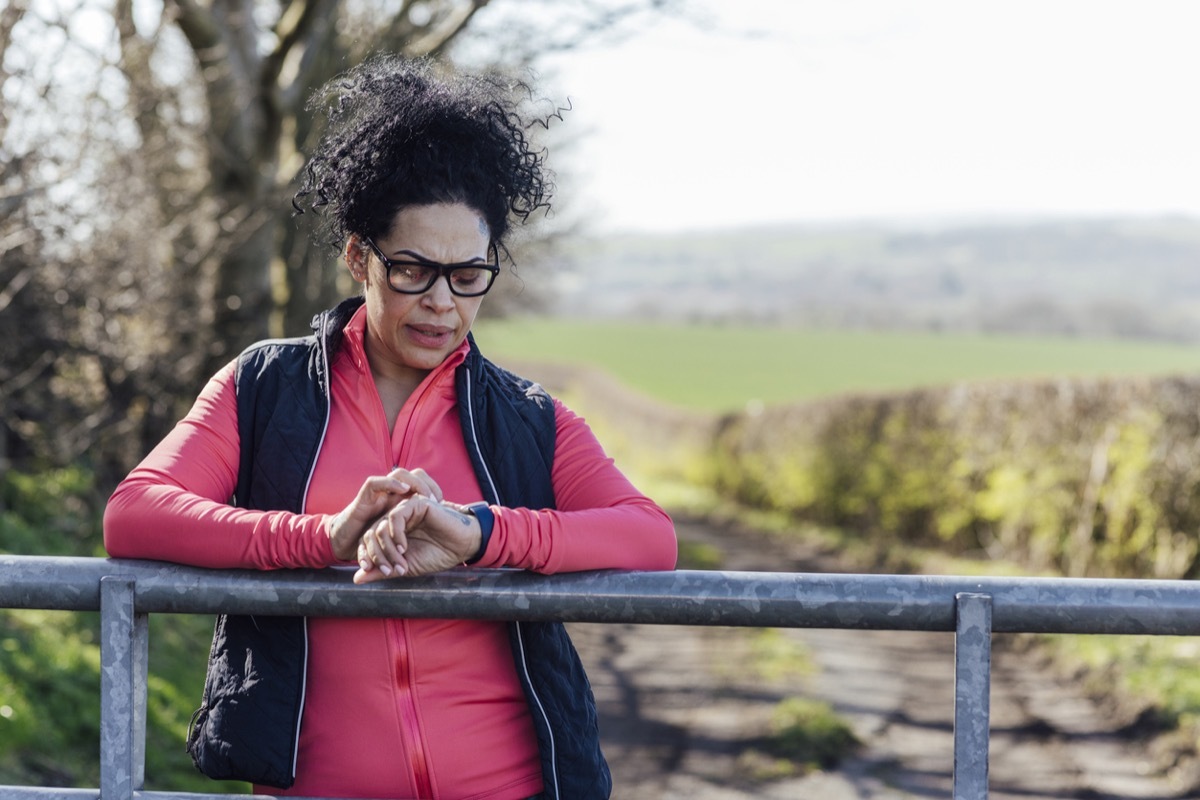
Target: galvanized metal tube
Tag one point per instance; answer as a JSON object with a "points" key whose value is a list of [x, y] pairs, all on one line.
{"points": [[972, 695], [886, 602], [53, 793], [123, 656]]}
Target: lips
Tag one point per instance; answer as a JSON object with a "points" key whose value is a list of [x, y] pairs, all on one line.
{"points": [[430, 335]]}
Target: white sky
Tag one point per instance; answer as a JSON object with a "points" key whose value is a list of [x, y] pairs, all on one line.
{"points": [[849, 109]]}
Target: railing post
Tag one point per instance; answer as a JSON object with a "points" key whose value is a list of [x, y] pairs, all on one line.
{"points": [[972, 688], [124, 656]]}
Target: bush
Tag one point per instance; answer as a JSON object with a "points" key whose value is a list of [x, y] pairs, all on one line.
{"points": [[1086, 477], [50, 660]]}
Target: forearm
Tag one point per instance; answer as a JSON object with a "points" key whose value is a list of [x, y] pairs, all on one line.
{"points": [[174, 505], [149, 519], [634, 535], [601, 522]]}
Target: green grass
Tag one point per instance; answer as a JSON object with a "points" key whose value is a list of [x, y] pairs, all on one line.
{"points": [[1158, 670], [718, 368], [50, 660]]}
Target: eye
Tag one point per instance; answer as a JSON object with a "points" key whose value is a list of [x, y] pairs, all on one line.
{"points": [[411, 272], [406, 276], [404, 271], [468, 276]]}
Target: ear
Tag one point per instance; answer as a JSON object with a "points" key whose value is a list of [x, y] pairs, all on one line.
{"points": [[356, 257]]}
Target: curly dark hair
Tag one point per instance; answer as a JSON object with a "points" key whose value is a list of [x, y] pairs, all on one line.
{"points": [[403, 132]]}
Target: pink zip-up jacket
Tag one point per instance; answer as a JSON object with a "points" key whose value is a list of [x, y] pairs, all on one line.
{"points": [[394, 708]]}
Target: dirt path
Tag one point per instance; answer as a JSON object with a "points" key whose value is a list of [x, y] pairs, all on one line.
{"points": [[682, 715]]}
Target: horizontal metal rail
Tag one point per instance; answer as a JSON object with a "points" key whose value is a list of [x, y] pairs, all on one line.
{"points": [[125, 591]]}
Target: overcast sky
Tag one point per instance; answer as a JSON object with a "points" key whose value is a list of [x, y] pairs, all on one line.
{"points": [[815, 110]]}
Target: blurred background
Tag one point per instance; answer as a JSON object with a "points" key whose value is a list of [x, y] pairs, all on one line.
{"points": [[919, 279]]}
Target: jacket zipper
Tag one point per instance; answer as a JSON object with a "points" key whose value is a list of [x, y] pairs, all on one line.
{"points": [[406, 691], [406, 698], [553, 788]]}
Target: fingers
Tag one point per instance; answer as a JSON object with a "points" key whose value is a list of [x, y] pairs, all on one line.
{"points": [[377, 495], [372, 564], [419, 536], [385, 543], [382, 549], [420, 481]]}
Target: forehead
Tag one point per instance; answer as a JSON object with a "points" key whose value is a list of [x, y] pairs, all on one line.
{"points": [[446, 232]]}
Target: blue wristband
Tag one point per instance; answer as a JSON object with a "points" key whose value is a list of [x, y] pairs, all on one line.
{"points": [[487, 520]]}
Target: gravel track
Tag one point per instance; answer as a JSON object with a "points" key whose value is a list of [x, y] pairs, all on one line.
{"points": [[681, 715]]}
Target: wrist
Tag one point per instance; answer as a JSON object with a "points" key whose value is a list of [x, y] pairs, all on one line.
{"points": [[333, 526], [487, 521]]}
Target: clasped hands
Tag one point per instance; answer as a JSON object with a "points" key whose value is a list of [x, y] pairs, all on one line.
{"points": [[400, 525]]}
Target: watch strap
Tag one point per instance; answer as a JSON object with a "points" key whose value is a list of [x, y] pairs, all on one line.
{"points": [[487, 520]]}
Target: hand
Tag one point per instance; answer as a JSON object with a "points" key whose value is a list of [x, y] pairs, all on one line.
{"points": [[418, 536], [378, 494]]}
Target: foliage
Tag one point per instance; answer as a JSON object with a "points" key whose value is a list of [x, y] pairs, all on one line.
{"points": [[50, 720], [1157, 670], [809, 732], [52, 513], [805, 736], [1149, 683], [147, 234], [776, 656], [50, 660], [1085, 477]]}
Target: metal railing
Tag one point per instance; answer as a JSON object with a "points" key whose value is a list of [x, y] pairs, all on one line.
{"points": [[125, 592]]}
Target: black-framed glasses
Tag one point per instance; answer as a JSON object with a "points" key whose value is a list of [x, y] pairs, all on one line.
{"points": [[414, 276]]}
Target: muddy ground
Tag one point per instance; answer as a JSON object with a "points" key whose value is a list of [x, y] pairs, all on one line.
{"points": [[683, 716]]}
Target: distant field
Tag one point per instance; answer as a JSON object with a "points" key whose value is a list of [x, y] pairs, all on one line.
{"points": [[715, 368]]}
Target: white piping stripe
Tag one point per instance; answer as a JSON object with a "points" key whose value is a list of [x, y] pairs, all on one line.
{"points": [[541, 710], [303, 505], [475, 438]]}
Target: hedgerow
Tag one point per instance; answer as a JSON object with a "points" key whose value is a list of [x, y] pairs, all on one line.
{"points": [[1083, 477]]}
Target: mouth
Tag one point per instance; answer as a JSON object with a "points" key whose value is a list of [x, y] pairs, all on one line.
{"points": [[430, 335]]}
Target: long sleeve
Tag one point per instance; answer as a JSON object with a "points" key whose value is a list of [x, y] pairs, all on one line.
{"points": [[602, 521], [174, 506]]}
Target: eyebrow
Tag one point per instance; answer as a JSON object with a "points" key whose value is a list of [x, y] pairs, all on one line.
{"points": [[423, 260]]}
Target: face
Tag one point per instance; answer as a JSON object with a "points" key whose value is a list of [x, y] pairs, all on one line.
{"points": [[410, 334]]}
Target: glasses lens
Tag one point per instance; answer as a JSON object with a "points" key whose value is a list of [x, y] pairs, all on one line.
{"points": [[406, 277], [470, 280]]}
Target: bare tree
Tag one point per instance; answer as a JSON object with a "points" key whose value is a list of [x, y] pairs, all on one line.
{"points": [[256, 64], [149, 150]]}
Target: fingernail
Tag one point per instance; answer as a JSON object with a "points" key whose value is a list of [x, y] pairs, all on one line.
{"points": [[385, 569], [365, 564]]}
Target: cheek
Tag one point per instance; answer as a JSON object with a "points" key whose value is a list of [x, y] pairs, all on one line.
{"points": [[468, 309], [388, 306]]}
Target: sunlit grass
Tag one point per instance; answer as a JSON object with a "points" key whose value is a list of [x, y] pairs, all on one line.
{"points": [[724, 368]]}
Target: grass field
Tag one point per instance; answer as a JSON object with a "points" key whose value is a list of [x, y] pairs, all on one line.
{"points": [[716, 368]]}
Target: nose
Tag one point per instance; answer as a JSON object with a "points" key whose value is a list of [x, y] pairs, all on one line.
{"points": [[439, 295]]}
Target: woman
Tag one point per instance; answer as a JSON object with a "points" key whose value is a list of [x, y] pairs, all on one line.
{"points": [[386, 440]]}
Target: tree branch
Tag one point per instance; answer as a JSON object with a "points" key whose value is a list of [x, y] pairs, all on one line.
{"points": [[199, 28], [295, 28], [438, 36], [9, 18]]}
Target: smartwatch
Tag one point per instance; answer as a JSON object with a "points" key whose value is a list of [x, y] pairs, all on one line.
{"points": [[487, 520]]}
